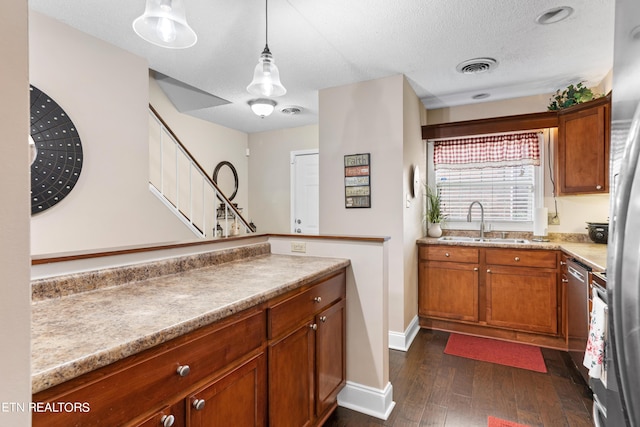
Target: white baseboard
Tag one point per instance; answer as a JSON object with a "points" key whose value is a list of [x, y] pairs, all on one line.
{"points": [[402, 341], [367, 400]]}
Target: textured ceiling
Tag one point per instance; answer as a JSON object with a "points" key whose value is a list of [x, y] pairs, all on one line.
{"points": [[325, 43]]}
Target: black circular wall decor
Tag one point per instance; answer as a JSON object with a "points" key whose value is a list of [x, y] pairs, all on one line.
{"points": [[58, 161], [235, 177]]}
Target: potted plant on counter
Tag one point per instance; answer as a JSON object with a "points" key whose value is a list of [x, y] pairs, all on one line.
{"points": [[435, 217]]}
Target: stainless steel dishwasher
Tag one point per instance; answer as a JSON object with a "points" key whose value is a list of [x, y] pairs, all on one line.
{"points": [[578, 312]]}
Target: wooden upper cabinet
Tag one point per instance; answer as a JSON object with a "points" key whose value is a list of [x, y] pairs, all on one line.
{"points": [[582, 149]]}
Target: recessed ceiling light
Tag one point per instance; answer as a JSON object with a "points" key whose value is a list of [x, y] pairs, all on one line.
{"points": [[476, 65], [481, 96], [554, 15]]}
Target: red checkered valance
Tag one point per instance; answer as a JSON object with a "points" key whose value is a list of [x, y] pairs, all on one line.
{"points": [[512, 149]]}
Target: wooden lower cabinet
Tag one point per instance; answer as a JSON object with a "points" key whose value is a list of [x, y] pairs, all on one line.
{"points": [[307, 362], [291, 368], [522, 298], [490, 291], [449, 290], [237, 399], [330, 349]]}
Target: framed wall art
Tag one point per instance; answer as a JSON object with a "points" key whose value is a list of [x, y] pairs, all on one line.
{"points": [[357, 180]]}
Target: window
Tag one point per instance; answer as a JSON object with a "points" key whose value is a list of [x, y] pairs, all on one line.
{"points": [[506, 193], [500, 171]]}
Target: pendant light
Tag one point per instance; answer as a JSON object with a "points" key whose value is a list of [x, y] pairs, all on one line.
{"points": [[266, 77], [262, 107], [164, 24]]}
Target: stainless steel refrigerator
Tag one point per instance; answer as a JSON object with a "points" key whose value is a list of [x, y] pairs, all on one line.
{"points": [[623, 257]]}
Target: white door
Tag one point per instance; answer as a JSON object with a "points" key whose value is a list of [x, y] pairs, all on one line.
{"points": [[305, 196]]}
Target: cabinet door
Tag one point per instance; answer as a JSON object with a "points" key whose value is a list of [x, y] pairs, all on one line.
{"points": [[236, 399], [448, 290], [522, 298], [583, 150], [291, 367], [330, 356]]}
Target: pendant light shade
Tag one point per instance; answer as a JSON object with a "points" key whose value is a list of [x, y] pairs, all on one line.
{"points": [[266, 77], [164, 24], [262, 107]]}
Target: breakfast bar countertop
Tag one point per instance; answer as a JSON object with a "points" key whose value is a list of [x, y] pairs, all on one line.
{"points": [[82, 331]]}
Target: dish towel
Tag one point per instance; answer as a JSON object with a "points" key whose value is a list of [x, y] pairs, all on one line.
{"points": [[594, 354]]}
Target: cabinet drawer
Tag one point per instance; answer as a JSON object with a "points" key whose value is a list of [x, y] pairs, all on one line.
{"points": [[449, 253], [118, 393], [289, 313], [521, 258]]}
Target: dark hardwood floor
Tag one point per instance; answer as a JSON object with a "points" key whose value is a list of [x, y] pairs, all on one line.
{"points": [[431, 388]]}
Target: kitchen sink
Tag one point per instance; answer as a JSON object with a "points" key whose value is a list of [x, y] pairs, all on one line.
{"points": [[483, 240]]}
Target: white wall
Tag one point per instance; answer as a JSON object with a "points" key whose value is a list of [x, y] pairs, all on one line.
{"points": [[105, 91], [15, 294], [269, 175], [368, 117], [414, 153], [573, 211]]}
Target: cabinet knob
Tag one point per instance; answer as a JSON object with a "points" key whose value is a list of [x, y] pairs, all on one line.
{"points": [[516, 259], [446, 254], [167, 420], [488, 271], [323, 319], [183, 370], [598, 187], [317, 299], [198, 404], [314, 326], [565, 280], [563, 263], [475, 268]]}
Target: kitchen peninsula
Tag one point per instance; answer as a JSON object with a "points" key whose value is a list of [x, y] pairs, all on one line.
{"points": [[175, 339]]}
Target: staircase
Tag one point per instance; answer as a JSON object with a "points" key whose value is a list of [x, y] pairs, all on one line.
{"points": [[180, 182]]}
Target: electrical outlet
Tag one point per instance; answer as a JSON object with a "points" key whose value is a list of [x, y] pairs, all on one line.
{"points": [[554, 219], [299, 247]]}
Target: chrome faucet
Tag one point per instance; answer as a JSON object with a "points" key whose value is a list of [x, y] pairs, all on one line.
{"points": [[481, 216]]}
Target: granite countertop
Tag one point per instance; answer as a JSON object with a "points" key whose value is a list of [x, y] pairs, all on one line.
{"points": [[592, 254], [80, 332]]}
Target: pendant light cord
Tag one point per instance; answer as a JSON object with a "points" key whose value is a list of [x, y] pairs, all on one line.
{"points": [[266, 23]]}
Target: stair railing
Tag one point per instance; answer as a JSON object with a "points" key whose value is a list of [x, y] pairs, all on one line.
{"points": [[171, 164]]}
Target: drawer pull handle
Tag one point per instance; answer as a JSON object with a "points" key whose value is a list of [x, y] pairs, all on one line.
{"points": [[488, 271], [517, 258], [314, 326], [323, 319], [446, 254], [167, 420], [183, 370], [198, 404], [317, 299], [475, 268]]}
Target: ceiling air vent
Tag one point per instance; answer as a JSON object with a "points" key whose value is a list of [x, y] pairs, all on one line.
{"points": [[291, 110], [552, 16], [477, 65]]}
